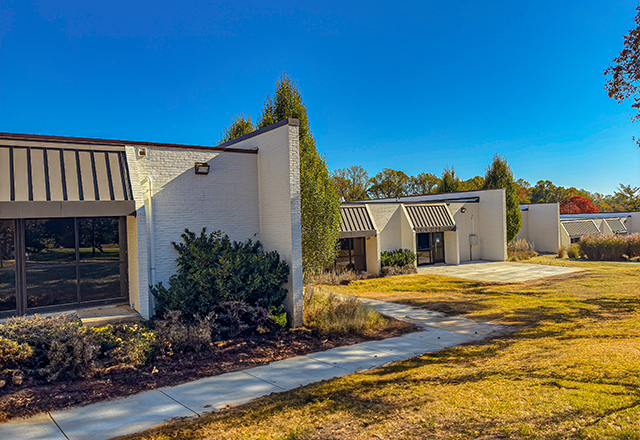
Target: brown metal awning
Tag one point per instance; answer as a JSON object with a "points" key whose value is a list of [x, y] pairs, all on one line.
{"points": [[356, 222], [58, 180], [578, 228], [430, 218]]}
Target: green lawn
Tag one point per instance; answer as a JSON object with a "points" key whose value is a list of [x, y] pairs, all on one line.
{"points": [[570, 370]]}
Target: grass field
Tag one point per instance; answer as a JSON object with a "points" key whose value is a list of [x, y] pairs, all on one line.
{"points": [[571, 369]]}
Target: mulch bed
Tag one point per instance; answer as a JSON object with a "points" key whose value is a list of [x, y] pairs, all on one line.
{"points": [[34, 397]]}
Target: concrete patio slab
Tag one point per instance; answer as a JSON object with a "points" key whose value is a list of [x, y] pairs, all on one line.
{"points": [[106, 420], [40, 427], [214, 393], [296, 372], [498, 272]]}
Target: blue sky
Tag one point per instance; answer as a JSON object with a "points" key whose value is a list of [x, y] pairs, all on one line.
{"points": [[415, 86]]}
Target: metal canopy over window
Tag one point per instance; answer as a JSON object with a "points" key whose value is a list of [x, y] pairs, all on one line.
{"points": [[356, 222], [578, 228], [52, 182], [616, 225], [430, 218]]}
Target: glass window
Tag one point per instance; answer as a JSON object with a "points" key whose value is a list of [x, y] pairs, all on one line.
{"points": [[50, 241], [48, 287], [99, 239], [100, 281], [7, 266]]}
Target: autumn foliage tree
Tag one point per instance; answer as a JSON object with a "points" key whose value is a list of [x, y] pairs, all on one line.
{"points": [[577, 205]]}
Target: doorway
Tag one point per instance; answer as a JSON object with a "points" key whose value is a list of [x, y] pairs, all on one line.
{"points": [[430, 247]]}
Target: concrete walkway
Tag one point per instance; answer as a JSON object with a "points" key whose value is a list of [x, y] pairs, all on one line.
{"points": [[128, 415], [497, 272]]}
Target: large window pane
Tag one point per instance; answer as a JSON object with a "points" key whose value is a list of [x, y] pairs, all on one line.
{"points": [[48, 287], [50, 241], [100, 281], [99, 239], [7, 266]]}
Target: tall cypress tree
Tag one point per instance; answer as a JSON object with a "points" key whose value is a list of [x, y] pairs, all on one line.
{"points": [[319, 200], [499, 175]]}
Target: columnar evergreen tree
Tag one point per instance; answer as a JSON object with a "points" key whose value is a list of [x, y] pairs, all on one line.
{"points": [[319, 200], [240, 126], [449, 181], [499, 175]]}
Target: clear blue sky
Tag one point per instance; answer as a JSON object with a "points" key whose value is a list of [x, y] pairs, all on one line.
{"points": [[415, 86]]}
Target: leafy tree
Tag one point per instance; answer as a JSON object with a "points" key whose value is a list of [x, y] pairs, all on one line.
{"points": [[623, 81], [240, 126], [472, 184], [449, 181], [523, 188], [577, 205], [319, 200], [627, 198], [389, 183], [546, 192], [499, 175], [423, 183], [352, 183]]}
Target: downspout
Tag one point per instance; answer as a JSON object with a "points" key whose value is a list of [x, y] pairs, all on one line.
{"points": [[151, 247], [473, 232]]}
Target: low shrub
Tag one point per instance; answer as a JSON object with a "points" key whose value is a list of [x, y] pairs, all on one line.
{"points": [[398, 257], [212, 270], [61, 345], [397, 270], [332, 314], [125, 344], [573, 251], [177, 335], [520, 250], [561, 252], [335, 277], [12, 357], [610, 247]]}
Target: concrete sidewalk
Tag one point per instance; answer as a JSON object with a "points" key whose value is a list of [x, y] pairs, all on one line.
{"points": [[498, 271], [128, 415]]}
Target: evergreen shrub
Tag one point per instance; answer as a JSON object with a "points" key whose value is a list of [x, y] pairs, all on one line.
{"points": [[398, 257]]}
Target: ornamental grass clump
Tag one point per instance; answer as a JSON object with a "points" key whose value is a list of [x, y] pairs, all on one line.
{"points": [[520, 250], [333, 314], [573, 251], [213, 270], [610, 247]]}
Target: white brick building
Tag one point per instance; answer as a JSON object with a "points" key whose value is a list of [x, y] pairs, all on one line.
{"points": [[148, 193]]}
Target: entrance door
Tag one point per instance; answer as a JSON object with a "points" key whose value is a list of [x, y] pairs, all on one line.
{"points": [[424, 248], [438, 247]]}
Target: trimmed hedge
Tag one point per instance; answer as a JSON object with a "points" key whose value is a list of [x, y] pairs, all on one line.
{"points": [[398, 257]]}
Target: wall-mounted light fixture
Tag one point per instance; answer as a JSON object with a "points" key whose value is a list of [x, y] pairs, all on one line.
{"points": [[463, 210], [202, 168], [142, 152]]}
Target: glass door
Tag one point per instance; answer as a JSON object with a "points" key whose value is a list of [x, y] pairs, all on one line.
{"points": [[8, 298]]}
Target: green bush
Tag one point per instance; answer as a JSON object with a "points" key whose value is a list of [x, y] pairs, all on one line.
{"points": [[610, 247], [332, 314], [125, 344], [398, 257], [12, 357], [573, 251], [235, 318], [61, 346], [212, 270]]}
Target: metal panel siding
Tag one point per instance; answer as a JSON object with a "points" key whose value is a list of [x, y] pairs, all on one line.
{"points": [[55, 176], [430, 218], [20, 174], [578, 228], [355, 220], [102, 177], [5, 175], [38, 175]]}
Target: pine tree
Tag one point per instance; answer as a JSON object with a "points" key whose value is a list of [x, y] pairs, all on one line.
{"points": [[499, 175], [240, 126]]}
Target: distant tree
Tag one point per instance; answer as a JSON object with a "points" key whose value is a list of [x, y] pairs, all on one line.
{"points": [[389, 183], [577, 205], [352, 183], [423, 183], [319, 200], [499, 175], [449, 181], [627, 198], [623, 74], [546, 192], [523, 188], [240, 126], [473, 184]]}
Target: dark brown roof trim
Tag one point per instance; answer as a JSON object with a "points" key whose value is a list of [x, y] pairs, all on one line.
{"points": [[120, 143], [288, 121]]}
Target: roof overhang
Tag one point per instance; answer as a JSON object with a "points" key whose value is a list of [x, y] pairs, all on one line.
{"points": [[356, 221], [12, 210], [430, 218]]}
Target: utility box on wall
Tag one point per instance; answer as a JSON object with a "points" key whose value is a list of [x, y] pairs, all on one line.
{"points": [[473, 240]]}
